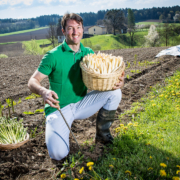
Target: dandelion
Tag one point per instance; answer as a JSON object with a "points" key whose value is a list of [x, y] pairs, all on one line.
{"points": [[111, 166], [150, 157], [90, 168], [81, 170], [150, 168], [129, 124], [176, 79], [153, 105], [178, 171], [63, 176], [178, 166], [163, 165], [117, 129], [162, 173], [121, 125], [125, 128], [76, 179], [161, 95], [90, 164], [114, 158], [128, 172], [175, 178]]}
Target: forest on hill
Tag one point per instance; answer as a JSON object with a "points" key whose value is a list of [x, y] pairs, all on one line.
{"points": [[90, 18]]}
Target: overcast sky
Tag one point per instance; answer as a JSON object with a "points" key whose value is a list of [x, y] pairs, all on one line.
{"points": [[34, 8]]}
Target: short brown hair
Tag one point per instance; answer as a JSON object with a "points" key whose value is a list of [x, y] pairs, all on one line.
{"points": [[72, 16]]}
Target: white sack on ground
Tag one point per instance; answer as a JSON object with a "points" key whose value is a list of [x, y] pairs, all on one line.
{"points": [[174, 51]]}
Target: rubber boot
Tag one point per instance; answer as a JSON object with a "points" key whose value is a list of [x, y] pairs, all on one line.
{"points": [[104, 121]]}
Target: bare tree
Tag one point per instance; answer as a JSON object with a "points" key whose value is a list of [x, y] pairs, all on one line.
{"points": [[52, 34], [115, 18]]}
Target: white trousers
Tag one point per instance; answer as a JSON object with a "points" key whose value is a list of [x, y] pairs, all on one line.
{"points": [[57, 132]]}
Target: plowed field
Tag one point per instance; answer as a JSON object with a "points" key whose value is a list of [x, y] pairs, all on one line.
{"points": [[31, 161]]}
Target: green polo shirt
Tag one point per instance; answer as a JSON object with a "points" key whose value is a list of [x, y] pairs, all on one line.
{"points": [[62, 66]]}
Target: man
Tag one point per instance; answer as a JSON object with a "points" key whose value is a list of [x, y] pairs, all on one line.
{"points": [[61, 65]]}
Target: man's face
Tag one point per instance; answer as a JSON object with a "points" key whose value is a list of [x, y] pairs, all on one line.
{"points": [[73, 32]]}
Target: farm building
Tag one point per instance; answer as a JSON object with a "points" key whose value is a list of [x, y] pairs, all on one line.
{"points": [[97, 29]]}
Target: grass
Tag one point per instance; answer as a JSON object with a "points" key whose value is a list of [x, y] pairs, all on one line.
{"points": [[20, 32], [8, 43], [146, 23], [147, 147]]}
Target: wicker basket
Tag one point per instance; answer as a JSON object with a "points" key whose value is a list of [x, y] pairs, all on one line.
{"points": [[4, 147], [100, 82]]}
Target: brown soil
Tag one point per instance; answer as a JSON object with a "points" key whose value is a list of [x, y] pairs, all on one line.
{"points": [[39, 34], [31, 161]]}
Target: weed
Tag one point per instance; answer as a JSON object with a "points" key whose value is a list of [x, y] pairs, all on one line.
{"points": [[3, 56], [128, 76], [128, 65], [39, 110], [33, 133], [32, 96], [28, 112]]}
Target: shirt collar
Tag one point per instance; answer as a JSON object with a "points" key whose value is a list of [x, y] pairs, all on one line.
{"points": [[67, 48]]}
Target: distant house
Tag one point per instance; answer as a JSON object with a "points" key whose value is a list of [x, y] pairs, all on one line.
{"points": [[97, 29]]}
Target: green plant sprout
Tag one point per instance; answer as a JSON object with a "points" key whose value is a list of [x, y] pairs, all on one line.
{"points": [[32, 96], [127, 76], [28, 112], [1, 109], [128, 65], [39, 111], [33, 133], [135, 71], [19, 101], [135, 59]]}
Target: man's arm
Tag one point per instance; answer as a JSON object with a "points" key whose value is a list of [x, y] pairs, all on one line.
{"points": [[35, 86]]}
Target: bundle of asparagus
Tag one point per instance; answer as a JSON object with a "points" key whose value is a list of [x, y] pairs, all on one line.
{"points": [[101, 63], [11, 131]]}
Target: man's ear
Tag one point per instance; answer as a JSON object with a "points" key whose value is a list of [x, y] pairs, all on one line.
{"points": [[63, 31]]}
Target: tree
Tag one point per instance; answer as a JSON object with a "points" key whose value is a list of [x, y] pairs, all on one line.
{"points": [[166, 31], [131, 26], [52, 34], [59, 28], [152, 39], [116, 19]]}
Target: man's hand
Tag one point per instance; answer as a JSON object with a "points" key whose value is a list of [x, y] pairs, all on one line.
{"points": [[35, 86], [121, 82], [50, 98]]}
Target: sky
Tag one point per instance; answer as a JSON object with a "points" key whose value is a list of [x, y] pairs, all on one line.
{"points": [[34, 8]]}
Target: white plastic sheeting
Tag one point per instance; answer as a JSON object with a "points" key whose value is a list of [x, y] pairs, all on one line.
{"points": [[174, 51]]}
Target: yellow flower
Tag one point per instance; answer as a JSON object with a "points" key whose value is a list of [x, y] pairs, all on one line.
{"points": [[125, 128], [76, 179], [178, 171], [150, 157], [90, 168], [111, 166], [128, 172], [63, 176], [163, 165], [153, 105], [81, 170], [166, 96], [121, 125], [114, 158], [148, 144], [90, 164], [162, 173], [175, 178], [178, 166], [129, 124], [117, 129], [161, 95], [176, 79], [150, 168], [135, 125]]}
